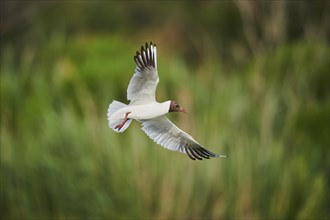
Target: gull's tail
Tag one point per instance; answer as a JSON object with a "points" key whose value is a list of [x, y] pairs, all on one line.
{"points": [[114, 119]]}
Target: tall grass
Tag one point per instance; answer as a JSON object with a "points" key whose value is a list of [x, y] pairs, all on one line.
{"points": [[59, 160]]}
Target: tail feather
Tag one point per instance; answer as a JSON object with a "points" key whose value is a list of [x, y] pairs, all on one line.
{"points": [[114, 121]]}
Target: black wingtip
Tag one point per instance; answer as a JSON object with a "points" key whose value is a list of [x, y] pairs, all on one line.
{"points": [[198, 152], [145, 58], [147, 46]]}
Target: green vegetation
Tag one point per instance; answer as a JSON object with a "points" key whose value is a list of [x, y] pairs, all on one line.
{"points": [[267, 108]]}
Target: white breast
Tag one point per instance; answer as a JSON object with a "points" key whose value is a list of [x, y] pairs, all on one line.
{"points": [[142, 112]]}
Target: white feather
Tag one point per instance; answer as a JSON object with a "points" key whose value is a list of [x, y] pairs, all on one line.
{"points": [[113, 120], [142, 86], [165, 133]]}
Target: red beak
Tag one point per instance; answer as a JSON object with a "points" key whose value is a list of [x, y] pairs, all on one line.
{"points": [[183, 110]]}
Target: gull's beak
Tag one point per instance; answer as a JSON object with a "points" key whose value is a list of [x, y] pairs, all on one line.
{"points": [[183, 110]]}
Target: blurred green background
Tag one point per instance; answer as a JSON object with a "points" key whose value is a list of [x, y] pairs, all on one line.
{"points": [[253, 75]]}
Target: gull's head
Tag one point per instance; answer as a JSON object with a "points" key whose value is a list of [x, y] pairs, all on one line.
{"points": [[175, 107]]}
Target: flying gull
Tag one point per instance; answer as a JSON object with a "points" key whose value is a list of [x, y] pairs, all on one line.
{"points": [[144, 108]]}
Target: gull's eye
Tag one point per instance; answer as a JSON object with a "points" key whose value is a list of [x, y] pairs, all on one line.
{"points": [[176, 106]]}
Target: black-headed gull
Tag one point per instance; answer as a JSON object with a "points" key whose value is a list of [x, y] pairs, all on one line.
{"points": [[144, 108]]}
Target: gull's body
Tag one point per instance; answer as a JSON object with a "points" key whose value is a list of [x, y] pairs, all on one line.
{"points": [[142, 111], [144, 108]]}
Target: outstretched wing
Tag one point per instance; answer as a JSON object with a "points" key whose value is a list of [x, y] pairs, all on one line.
{"points": [[142, 87], [165, 133]]}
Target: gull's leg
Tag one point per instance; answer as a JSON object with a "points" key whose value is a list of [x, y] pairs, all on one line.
{"points": [[124, 121]]}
